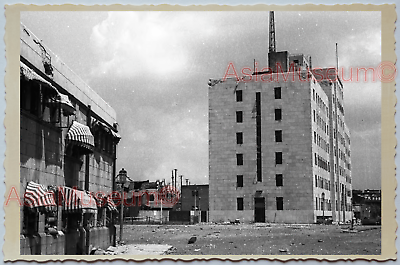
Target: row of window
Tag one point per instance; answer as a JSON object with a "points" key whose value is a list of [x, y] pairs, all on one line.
{"points": [[340, 121], [240, 204], [320, 103], [342, 155], [277, 94], [341, 139], [340, 107], [348, 179], [318, 140], [341, 170], [278, 180], [104, 142], [239, 115], [326, 205], [321, 162], [38, 101], [323, 204], [278, 137], [321, 122], [347, 138], [322, 183], [340, 93], [278, 159]]}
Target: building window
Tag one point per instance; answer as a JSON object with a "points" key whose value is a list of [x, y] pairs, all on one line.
{"points": [[315, 158], [239, 138], [239, 180], [278, 158], [279, 203], [316, 181], [240, 204], [239, 116], [278, 136], [278, 114], [313, 92], [239, 159], [239, 95], [279, 180], [314, 115], [278, 92]]}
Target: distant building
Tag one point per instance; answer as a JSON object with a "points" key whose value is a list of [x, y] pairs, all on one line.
{"points": [[68, 147], [279, 147], [195, 197], [367, 206]]}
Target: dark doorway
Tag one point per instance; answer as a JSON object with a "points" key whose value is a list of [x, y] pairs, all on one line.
{"points": [[203, 216], [259, 210]]}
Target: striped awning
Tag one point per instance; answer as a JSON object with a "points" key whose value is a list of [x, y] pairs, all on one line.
{"points": [[80, 135], [76, 200], [29, 74], [39, 197], [69, 198]]}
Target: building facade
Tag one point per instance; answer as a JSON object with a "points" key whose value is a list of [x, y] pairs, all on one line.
{"points": [[68, 141], [279, 148]]}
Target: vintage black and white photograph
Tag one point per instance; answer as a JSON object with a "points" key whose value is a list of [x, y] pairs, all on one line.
{"points": [[201, 133]]}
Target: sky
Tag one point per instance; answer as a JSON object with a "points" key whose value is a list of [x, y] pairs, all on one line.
{"points": [[153, 69]]}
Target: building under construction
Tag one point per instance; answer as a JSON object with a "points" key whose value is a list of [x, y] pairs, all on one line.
{"points": [[279, 147]]}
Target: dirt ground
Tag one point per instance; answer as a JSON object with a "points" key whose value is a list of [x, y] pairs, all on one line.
{"points": [[258, 239]]}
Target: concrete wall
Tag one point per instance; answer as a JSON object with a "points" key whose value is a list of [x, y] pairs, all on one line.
{"points": [[67, 244]]}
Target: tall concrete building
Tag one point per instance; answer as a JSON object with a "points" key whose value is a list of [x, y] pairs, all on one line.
{"points": [[279, 147]]}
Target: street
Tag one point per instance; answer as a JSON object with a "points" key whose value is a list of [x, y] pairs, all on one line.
{"points": [[259, 239]]}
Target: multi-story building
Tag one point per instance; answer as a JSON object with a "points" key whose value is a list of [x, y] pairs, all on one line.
{"points": [[279, 148], [68, 140]]}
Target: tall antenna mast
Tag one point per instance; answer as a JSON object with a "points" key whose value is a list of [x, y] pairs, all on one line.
{"points": [[272, 44]]}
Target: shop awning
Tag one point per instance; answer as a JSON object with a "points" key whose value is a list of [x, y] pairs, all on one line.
{"points": [[65, 103], [80, 135], [107, 129], [69, 199], [29, 75], [38, 197], [77, 200], [87, 202], [116, 135]]}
